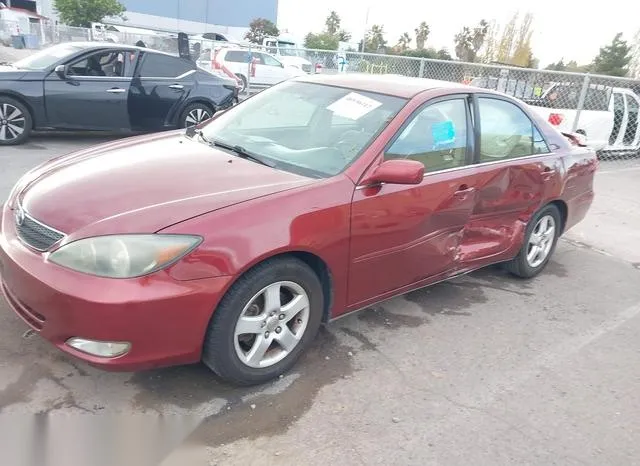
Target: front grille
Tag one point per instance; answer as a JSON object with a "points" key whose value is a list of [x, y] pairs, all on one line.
{"points": [[36, 235], [307, 68]]}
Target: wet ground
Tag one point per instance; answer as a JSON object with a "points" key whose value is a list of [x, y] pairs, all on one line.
{"points": [[485, 369]]}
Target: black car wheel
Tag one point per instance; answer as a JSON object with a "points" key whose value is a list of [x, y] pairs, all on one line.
{"points": [[195, 114], [264, 322], [244, 82], [15, 122]]}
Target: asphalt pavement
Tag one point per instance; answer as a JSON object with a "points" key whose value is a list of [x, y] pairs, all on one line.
{"points": [[485, 369]]}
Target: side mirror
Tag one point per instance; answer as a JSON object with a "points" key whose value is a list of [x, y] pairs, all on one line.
{"points": [[61, 71], [400, 171]]}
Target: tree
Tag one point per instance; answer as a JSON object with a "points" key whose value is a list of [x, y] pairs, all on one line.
{"points": [[469, 41], [322, 41], [522, 53], [422, 34], [403, 42], [613, 59], [344, 36], [490, 46], [507, 41], [375, 39], [82, 13], [430, 53], [571, 66], [634, 64], [333, 23], [559, 66], [260, 28]]}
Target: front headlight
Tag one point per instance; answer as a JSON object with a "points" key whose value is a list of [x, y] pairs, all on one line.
{"points": [[124, 256]]}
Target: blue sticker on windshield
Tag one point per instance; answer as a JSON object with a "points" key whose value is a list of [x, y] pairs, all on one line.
{"points": [[443, 133]]}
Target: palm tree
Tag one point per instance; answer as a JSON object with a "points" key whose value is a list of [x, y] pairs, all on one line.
{"points": [[404, 41], [422, 33]]}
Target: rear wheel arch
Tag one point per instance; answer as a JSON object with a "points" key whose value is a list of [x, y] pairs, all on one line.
{"points": [[24, 102], [564, 212], [195, 102]]}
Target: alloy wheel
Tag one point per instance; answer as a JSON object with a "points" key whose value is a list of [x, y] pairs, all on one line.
{"points": [[541, 241], [197, 116], [12, 122], [272, 324]]}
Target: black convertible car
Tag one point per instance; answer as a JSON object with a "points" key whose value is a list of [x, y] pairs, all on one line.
{"points": [[94, 86]]}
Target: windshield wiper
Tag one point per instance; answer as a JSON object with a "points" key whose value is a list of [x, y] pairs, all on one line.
{"points": [[241, 152]]}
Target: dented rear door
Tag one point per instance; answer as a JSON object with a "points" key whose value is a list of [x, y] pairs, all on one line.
{"points": [[515, 173]]}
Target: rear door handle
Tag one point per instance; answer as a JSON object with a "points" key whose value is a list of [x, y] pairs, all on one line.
{"points": [[177, 87], [547, 173], [116, 90], [464, 190]]}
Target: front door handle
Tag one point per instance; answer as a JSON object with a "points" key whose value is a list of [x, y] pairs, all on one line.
{"points": [[177, 87], [116, 90]]}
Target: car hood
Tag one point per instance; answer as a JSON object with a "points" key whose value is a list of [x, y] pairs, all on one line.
{"points": [[8, 72], [294, 61], [144, 184]]}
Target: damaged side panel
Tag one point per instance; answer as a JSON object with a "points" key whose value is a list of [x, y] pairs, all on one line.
{"points": [[507, 195]]}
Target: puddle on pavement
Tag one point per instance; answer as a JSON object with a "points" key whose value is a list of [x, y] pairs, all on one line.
{"points": [[380, 316], [271, 414], [22, 389]]}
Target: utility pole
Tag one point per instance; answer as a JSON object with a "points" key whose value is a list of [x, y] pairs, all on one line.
{"points": [[364, 34]]}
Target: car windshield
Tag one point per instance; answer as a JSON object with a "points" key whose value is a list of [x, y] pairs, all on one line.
{"points": [[310, 129], [289, 50], [47, 57]]}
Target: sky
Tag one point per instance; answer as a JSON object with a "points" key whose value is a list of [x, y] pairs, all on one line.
{"points": [[567, 29]]}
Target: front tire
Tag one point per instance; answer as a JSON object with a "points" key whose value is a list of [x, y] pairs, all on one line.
{"points": [[243, 79], [541, 237], [264, 322], [16, 122], [195, 114]]}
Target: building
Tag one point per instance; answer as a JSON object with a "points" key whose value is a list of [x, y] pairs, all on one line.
{"points": [[231, 17]]}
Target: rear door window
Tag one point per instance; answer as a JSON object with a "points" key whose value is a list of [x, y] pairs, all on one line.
{"points": [[155, 65], [506, 132]]}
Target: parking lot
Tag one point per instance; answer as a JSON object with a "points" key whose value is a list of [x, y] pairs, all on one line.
{"points": [[485, 369]]}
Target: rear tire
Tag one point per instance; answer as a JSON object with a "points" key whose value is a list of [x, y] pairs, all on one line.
{"points": [[242, 78], [16, 122], [195, 114], [540, 239], [264, 322]]}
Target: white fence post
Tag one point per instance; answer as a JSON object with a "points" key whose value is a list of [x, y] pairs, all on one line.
{"points": [[581, 100]]}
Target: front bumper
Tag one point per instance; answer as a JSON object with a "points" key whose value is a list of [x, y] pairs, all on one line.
{"points": [[163, 319]]}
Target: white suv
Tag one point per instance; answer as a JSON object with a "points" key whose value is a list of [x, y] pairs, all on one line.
{"points": [[266, 70]]}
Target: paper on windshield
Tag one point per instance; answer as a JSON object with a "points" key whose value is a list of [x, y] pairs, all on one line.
{"points": [[353, 106]]}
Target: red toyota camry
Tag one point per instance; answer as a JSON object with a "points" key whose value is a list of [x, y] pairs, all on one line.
{"points": [[231, 242]]}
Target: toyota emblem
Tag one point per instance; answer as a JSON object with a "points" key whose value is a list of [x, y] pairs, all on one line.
{"points": [[19, 216]]}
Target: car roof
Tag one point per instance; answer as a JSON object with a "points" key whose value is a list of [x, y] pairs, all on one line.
{"points": [[102, 45], [390, 84]]}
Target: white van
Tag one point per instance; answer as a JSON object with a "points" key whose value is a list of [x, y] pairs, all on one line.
{"points": [[609, 119]]}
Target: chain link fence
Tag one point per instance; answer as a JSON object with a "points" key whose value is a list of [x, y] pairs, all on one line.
{"points": [[604, 109]]}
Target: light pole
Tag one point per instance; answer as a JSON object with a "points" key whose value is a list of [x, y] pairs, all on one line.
{"points": [[364, 34]]}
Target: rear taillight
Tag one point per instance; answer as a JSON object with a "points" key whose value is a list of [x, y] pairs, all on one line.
{"points": [[556, 119]]}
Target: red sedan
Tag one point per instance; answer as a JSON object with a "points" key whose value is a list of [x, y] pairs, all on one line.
{"points": [[231, 242]]}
